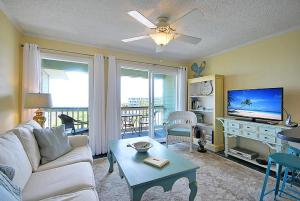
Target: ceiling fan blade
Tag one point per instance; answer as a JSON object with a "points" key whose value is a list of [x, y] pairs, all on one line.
{"points": [[187, 39], [188, 13], [135, 38], [142, 19]]}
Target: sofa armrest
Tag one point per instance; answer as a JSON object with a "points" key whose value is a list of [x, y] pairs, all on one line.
{"points": [[78, 140]]}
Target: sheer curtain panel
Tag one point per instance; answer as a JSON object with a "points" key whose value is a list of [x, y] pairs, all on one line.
{"points": [[31, 76]]}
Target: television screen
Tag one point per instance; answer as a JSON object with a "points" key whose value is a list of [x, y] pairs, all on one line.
{"points": [[256, 103]]}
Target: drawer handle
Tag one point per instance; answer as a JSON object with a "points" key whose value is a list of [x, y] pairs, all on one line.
{"points": [[266, 138], [266, 130], [248, 127]]}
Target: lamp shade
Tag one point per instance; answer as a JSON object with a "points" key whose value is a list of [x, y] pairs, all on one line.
{"points": [[38, 100], [162, 38]]}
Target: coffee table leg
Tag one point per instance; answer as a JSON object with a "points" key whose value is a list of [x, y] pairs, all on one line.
{"points": [[111, 162], [193, 188], [136, 194], [192, 185]]}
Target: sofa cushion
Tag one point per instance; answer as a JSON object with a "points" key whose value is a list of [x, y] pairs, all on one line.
{"points": [[12, 154], [59, 181], [78, 154], [52, 142], [30, 145], [84, 195]]}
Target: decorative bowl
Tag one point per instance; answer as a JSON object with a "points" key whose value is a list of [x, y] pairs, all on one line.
{"points": [[141, 146]]}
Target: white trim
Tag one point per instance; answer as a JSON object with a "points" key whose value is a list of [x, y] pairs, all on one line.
{"points": [[64, 57], [155, 68]]}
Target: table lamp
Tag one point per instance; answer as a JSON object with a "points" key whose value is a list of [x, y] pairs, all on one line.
{"points": [[38, 101]]}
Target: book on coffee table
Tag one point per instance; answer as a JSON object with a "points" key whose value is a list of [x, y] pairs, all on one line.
{"points": [[157, 162]]}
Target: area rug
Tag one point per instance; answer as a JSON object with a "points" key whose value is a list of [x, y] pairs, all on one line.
{"points": [[218, 179]]}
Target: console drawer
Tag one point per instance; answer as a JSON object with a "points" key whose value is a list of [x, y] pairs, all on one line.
{"points": [[267, 138], [233, 125], [267, 131], [250, 134], [233, 131], [249, 128]]}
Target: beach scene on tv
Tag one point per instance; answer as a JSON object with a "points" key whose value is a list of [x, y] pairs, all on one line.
{"points": [[256, 103]]}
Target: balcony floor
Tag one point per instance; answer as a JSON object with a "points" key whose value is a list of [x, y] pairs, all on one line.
{"points": [[157, 134]]}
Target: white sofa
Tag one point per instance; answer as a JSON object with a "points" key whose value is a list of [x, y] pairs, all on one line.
{"points": [[69, 177]]}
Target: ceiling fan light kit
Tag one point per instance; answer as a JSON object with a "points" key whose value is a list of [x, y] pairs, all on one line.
{"points": [[162, 38], [163, 31]]}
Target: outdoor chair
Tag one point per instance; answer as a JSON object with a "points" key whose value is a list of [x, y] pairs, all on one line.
{"points": [[70, 123]]}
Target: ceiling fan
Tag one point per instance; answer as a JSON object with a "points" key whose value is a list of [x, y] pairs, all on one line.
{"points": [[161, 33]]}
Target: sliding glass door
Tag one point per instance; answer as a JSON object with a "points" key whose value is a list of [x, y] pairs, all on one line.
{"points": [[163, 102], [148, 96]]}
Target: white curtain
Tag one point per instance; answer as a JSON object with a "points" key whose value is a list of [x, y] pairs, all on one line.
{"points": [[181, 88], [98, 139], [113, 106], [31, 76]]}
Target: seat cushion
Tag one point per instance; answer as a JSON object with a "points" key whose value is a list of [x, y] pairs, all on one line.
{"points": [[78, 154], [12, 154], [88, 195], [59, 181], [30, 145], [179, 132]]}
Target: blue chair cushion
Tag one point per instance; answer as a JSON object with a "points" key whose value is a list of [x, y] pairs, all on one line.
{"points": [[179, 132], [288, 160]]}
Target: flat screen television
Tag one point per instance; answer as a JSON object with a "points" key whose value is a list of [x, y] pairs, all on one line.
{"points": [[264, 103]]}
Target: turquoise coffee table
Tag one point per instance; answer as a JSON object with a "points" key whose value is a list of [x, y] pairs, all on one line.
{"points": [[140, 176]]}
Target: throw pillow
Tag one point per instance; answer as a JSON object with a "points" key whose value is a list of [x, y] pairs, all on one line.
{"points": [[8, 171], [8, 190], [53, 143], [30, 145], [13, 155]]}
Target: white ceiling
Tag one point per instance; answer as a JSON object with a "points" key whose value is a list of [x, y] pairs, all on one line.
{"points": [[222, 24]]}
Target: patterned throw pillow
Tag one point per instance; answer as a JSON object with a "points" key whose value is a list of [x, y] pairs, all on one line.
{"points": [[8, 171], [8, 190]]}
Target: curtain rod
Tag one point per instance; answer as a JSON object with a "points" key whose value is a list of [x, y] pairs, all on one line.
{"points": [[63, 51], [105, 57]]}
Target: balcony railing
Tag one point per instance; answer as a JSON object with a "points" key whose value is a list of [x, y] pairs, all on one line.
{"points": [[81, 114], [143, 112], [77, 113]]}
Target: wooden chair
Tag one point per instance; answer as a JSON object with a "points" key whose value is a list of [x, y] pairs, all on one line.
{"points": [[181, 123], [70, 123]]}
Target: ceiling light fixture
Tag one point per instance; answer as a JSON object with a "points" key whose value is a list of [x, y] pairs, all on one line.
{"points": [[163, 34], [162, 38]]}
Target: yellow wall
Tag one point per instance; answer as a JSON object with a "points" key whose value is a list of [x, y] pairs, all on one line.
{"points": [[10, 39], [274, 62]]}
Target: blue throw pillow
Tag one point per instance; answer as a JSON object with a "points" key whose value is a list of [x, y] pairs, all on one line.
{"points": [[8, 171], [8, 190]]}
